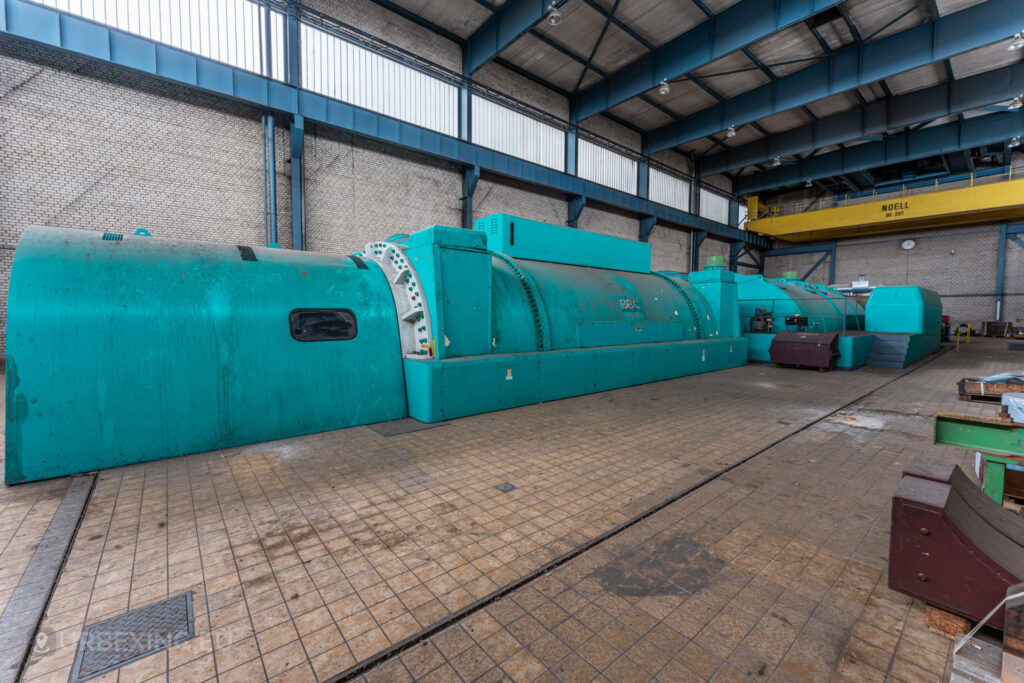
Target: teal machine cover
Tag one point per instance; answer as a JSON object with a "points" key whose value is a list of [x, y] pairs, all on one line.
{"points": [[766, 303], [124, 349]]}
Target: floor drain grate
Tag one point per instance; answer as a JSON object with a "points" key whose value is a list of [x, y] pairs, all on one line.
{"points": [[110, 644], [505, 488]]}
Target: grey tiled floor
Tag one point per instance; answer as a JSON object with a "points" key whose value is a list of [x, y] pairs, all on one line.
{"points": [[308, 555]]}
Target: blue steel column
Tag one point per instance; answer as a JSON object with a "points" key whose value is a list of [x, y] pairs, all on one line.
{"points": [[298, 186], [832, 265], [734, 213], [297, 134], [646, 226], [643, 175], [272, 175], [576, 204], [470, 177], [1001, 272], [697, 240], [734, 254]]}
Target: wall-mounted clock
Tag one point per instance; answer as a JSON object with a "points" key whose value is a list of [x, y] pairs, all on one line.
{"points": [[908, 244]]}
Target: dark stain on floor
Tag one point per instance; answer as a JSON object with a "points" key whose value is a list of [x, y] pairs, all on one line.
{"points": [[675, 566]]}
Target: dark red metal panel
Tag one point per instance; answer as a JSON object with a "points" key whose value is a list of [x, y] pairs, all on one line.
{"points": [[954, 547], [805, 349]]}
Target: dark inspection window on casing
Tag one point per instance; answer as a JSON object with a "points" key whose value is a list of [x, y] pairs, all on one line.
{"points": [[322, 324]]}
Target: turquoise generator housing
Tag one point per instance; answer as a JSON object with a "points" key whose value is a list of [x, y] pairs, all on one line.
{"points": [[771, 305], [124, 349], [517, 317]]}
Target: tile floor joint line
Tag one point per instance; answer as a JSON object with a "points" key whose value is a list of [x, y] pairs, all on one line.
{"points": [[384, 655], [32, 594]]}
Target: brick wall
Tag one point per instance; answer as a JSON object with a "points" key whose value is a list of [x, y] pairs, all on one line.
{"points": [[959, 263], [80, 150]]}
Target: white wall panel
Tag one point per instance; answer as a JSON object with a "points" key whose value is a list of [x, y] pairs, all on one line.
{"points": [[229, 31], [603, 166], [344, 71], [502, 129], [714, 206], [668, 190]]}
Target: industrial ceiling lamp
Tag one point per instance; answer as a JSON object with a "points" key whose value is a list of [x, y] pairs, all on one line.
{"points": [[776, 161], [554, 16], [663, 88], [1017, 42], [1014, 142], [731, 133], [1015, 103], [808, 183]]}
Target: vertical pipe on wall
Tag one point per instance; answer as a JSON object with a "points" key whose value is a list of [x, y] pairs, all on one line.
{"points": [[271, 171], [298, 186], [576, 204], [470, 177], [697, 239], [1001, 271], [832, 265], [263, 132]]}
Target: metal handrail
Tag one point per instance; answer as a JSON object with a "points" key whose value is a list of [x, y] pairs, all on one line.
{"points": [[903, 190]]}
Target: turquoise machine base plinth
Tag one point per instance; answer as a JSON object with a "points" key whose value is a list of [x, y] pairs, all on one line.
{"points": [[758, 345], [444, 389], [854, 350]]}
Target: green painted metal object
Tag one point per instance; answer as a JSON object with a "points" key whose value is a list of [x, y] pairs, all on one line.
{"points": [[979, 433], [123, 349], [1001, 444]]}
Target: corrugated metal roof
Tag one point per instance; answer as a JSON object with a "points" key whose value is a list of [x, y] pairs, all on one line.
{"points": [[659, 21], [732, 75], [685, 98], [461, 17], [788, 50], [642, 114], [915, 79], [744, 134], [545, 62], [950, 6], [834, 104], [717, 6], [873, 17], [617, 49], [985, 59], [581, 24], [784, 121]]}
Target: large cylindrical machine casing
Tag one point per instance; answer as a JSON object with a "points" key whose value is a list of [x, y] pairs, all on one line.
{"points": [[122, 349]]}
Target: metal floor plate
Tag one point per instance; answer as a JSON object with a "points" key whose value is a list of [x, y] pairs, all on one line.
{"points": [[110, 644], [403, 426]]}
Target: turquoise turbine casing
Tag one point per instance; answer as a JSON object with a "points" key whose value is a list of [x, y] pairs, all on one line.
{"points": [[127, 349]]}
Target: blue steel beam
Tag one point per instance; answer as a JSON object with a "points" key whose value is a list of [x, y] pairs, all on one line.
{"points": [[24, 20], [738, 26], [504, 26], [851, 67], [877, 117], [894, 149]]}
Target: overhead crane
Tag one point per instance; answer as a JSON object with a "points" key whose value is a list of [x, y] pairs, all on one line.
{"points": [[1000, 200]]}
